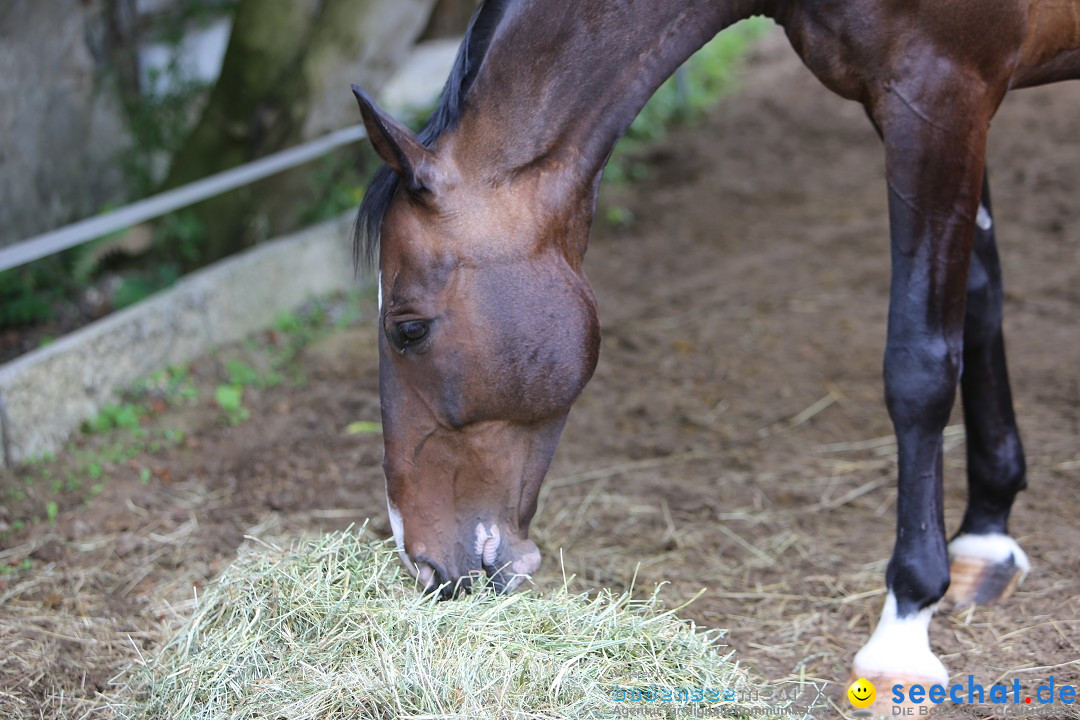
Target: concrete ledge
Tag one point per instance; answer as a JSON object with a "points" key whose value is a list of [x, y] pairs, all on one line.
{"points": [[49, 392]]}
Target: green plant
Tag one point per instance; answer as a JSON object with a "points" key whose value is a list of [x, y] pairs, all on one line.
{"points": [[160, 114], [304, 326], [72, 483], [706, 77], [28, 293], [243, 375], [173, 437], [230, 398], [288, 322], [173, 384], [363, 427], [87, 470], [618, 215], [139, 285], [159, 120], [180, 236], [111, 417], [9, 569], [336, 185], [352, 312], [41, 460]]}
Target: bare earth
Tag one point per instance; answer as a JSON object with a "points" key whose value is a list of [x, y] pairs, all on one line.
{"points": [[734, 437]]}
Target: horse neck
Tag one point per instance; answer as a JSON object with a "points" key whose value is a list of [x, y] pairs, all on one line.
{"points": [[561, 82]]}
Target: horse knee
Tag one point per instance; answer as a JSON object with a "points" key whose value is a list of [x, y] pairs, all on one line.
{"points": [[920, 383]]}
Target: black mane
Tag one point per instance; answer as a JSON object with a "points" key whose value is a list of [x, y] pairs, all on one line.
{"points": [[385, 181]]}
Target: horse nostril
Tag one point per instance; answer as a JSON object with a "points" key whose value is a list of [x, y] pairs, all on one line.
{"points": [[425, 575], [432, 578]]}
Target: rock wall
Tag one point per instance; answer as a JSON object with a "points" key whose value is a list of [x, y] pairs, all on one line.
{"points": [[61, 129]]}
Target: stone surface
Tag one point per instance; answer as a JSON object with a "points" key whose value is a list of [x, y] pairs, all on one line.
{"points": [[48, 393]]}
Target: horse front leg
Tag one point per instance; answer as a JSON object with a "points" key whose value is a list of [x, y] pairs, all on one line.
{"points": [[986, 563], [934, 127]]}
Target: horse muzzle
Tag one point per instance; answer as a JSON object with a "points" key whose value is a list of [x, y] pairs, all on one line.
{"points": [[488, 552]]}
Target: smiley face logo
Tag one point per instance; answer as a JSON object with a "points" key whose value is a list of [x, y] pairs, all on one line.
{"points": [[862, 693]]}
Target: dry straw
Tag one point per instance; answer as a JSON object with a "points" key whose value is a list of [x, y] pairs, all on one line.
{"points": [[334, 628]]}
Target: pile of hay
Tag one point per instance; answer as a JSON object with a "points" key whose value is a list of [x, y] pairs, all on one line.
{"points": [[335, 628]]}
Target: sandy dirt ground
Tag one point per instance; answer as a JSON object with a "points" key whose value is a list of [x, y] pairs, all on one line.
{"points": [[734, 437]]}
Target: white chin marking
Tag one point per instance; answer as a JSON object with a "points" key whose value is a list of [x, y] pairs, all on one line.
{"points": [[487, 543], [901, 647], [996, 548], [982, 219], [398, 528]]}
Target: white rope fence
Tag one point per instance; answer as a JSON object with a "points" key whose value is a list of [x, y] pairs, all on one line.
{"points": [[154, 206]]}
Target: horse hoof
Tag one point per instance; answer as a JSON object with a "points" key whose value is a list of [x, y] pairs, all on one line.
{"points": [[885, 687], [897, 653], [984, 568]]}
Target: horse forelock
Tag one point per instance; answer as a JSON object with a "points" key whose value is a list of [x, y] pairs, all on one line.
{"points": [[380, 191]]}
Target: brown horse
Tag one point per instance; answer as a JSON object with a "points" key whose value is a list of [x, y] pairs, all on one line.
{"points": [[489, 325]]}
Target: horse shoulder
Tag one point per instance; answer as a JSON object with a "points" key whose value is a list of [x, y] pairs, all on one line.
{"points": [[856, 48]]}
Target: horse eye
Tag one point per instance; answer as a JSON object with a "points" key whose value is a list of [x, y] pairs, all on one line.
{"points": [[409, 333], [414, 330]]}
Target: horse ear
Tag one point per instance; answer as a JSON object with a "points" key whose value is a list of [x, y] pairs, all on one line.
{"points": [[396, 144]]}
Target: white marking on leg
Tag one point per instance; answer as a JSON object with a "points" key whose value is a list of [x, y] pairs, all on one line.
{"points": [[983, 219], [996, 548], [901, 647], [397, 527]]}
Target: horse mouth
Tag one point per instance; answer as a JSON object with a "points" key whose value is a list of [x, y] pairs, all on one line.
{"points": [[497, 563]]}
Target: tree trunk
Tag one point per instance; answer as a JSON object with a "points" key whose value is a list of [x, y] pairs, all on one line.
{"points": [[284, 77], [449, 19]]}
